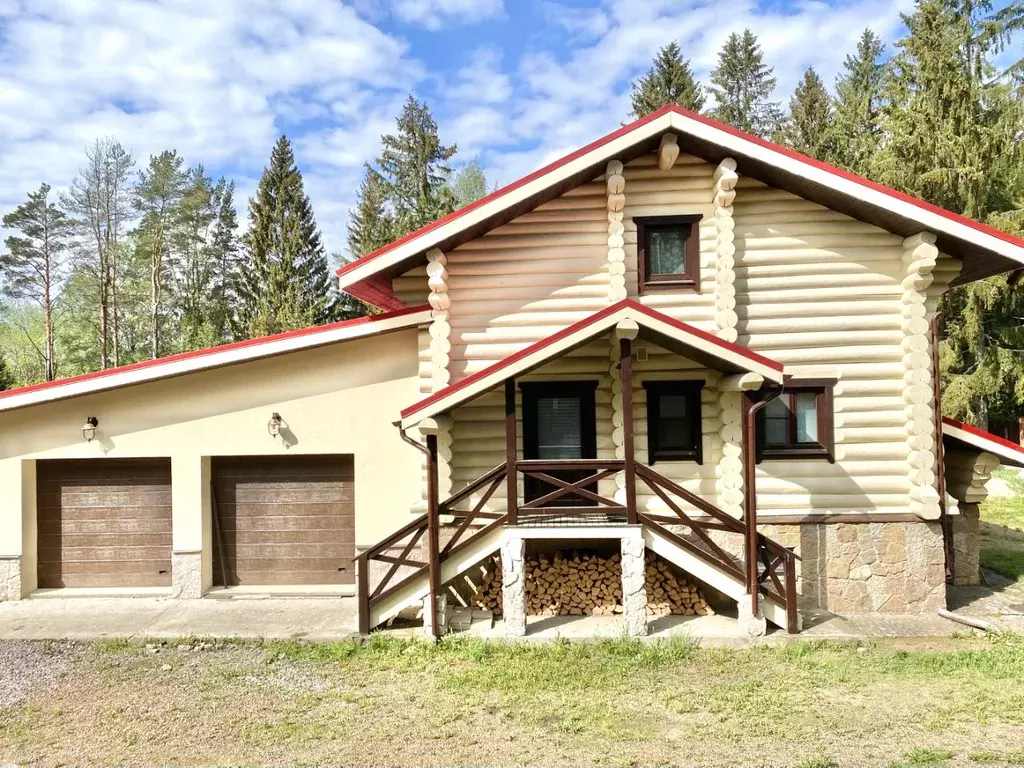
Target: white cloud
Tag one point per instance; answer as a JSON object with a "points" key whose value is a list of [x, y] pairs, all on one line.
{"points": [[216, 80], [437, 14]]}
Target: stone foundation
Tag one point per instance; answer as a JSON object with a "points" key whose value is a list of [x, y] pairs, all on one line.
{"points": [[967, 545], [187, 575], [10, 578], [894, 567], [634, 591], [751, 625]]}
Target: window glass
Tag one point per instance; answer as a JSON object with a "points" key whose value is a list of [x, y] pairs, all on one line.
{"points": [[667, 254], [806, 417], [776, 422], [559, 428], [673, 406]]}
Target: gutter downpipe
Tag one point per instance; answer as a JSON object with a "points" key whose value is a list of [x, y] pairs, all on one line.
{"points": [[750, 487], [433, 539]]}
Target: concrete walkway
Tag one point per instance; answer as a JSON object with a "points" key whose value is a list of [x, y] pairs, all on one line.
{"points": [[92, 618]]}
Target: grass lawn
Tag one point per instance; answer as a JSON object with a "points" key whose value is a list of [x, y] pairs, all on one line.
{"points": [[946, 702], [1002, 530]]}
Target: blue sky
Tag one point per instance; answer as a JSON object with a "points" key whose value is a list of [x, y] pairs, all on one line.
{"points": [[515, 82]]}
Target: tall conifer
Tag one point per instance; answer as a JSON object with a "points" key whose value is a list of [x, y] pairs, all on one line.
{"points": [[742, 85], [668, 81]]}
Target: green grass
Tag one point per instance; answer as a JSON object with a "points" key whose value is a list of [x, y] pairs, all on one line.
{"points": [[472, 702], [1002, 530]]}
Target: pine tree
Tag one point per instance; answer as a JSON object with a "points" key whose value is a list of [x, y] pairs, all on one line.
{"points": [[808, 127], [286, 282], [668, 81], [33, 268], [742, 85], [856, 129], [226, 258], [159, 193], [100, 202], [414, 165], [952, 136], [371, 225]]}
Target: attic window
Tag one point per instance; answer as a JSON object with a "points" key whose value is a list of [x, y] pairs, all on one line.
{"points": [[668, 252]]}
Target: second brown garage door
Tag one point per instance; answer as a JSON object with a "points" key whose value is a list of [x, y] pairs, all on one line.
{"points": [[283, 520], [104, 523]]}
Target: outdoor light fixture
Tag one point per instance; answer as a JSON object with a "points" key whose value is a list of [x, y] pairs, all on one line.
{"points": [[89, 428], [274, 425]]}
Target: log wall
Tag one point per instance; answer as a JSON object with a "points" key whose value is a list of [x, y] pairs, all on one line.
{"points": [[824, 294]]}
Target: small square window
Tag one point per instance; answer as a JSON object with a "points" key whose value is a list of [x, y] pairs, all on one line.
{"points": [[668, 250], [798, 423], [673, 421]]}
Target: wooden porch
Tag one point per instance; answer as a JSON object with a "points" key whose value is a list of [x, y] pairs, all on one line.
{"points": [[570, 498]]}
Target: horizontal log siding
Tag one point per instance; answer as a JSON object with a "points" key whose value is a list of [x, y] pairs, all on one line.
{"points": [[685, 189], [513, 287], [820, 292], [528, 279], [411, 287]]}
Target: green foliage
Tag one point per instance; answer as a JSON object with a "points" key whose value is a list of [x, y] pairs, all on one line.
{"points": [[414, 169], [371, 225], [808, 126], [856, 129], [470, 183], [33, 266], [285, 282], [953, 137], [668, 81], [742, 85]]}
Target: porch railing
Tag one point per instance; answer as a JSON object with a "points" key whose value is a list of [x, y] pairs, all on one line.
{"points": [[776, 564]]}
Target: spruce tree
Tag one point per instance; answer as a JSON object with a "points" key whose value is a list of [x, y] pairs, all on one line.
{"points": [[286, 282], [953, 133], [370, 224], [34, 266], [742, 85], [808, 127], [856, 129], [414, 165], [668, 81]]}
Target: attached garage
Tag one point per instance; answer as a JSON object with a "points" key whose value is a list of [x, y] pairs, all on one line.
{"points": [[283, 520], [104, 523]]}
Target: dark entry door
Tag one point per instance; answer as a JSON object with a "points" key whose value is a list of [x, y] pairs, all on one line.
{"points": [[559, 423]]}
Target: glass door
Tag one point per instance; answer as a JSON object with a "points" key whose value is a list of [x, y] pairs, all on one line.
{"points": [[559, 424]]}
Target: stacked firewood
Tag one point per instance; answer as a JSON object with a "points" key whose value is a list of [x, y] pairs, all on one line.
{"points": [[591, 585]]}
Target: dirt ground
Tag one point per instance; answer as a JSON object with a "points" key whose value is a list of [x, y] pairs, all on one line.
{"points": [[395, 702]]}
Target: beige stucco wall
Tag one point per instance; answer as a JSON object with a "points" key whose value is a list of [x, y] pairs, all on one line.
{"points": [[341, 398]]}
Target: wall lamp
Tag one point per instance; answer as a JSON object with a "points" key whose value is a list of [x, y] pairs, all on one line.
{"points": [[89, 428], [274, 425]]}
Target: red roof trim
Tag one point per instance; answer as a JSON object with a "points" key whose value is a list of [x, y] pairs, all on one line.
{"points": [[579, 326], [213, 350], [508, 188], [376, 291], [873, 185], [983, 434]]}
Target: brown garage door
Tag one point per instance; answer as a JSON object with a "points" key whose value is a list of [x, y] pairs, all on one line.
{"points": [[283, 520], [104, 523]]}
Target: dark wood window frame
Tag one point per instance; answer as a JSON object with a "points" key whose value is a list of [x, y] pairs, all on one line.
{"points": [[689, 280], [692, 390], [586, 392], [825, 446]]}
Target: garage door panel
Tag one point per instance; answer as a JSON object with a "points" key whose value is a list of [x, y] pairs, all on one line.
{"points": [[104, 523], [284, 520], [102, 515], [259, 538]]}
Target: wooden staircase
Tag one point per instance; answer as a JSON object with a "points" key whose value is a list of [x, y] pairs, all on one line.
{"points": [[400, 573]]}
